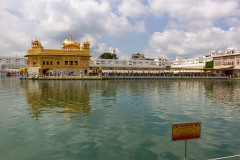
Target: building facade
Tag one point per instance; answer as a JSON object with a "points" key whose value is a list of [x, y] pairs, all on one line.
{"points": [[71, 59], [12, 62], [198, 62], [157, 62], [227, 62], [138, 56]]}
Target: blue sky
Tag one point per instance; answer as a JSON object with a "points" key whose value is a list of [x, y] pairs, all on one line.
{"points": [[167, 28]]}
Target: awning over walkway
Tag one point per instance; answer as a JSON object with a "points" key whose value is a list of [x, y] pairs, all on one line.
{"points": [[227, 67]]}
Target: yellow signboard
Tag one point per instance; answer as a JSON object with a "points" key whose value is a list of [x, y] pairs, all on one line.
{"points": [[186, 131]]}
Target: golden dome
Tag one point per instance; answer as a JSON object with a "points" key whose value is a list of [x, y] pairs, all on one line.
{"points": [[70, 44]]}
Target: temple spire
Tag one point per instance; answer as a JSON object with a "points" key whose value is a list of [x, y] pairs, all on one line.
{"points": [[71, 37]]}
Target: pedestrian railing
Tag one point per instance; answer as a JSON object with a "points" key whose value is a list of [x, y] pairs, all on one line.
{"points": [[130, 76], [235, 157]]}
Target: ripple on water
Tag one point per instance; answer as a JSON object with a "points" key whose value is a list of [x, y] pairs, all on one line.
{"points": [[116, 119]]}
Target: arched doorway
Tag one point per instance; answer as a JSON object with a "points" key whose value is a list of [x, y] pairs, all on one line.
{"points": [[47, 72], [228, 73]]}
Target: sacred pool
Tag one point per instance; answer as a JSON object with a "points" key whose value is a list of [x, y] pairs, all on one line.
{"points": [[117, 119]]}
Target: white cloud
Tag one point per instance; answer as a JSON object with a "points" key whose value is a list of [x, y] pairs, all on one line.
{"points": [[4, 45], [234, 22], [97, 47], [82, 17], [191, 29], [132, 8], [139, 27], [53, 20], [194, 27], [102, 47], [195, 14], [172, 43], [13, 32]]}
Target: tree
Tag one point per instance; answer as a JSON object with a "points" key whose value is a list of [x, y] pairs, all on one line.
{"points": [[209, 64], [107, 55]]}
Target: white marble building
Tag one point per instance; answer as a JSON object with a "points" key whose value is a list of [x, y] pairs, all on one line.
{"points": [[197, 62], [156, 62], [12, 62]]}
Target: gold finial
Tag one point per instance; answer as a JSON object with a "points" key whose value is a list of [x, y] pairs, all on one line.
{"points": [[71, 37], [36, 38]]}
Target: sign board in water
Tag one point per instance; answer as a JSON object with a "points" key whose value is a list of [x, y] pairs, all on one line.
{"points": [[186, 131]]}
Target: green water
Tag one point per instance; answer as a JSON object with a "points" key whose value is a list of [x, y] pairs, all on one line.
{"points": [[116, 119]]}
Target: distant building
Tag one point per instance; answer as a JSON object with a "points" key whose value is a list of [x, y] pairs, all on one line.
{"points": [[227, 62], [160, 62], [12, 62], [228, 51], [156, 62], [71, 59], [198, 62], [138, 56]]}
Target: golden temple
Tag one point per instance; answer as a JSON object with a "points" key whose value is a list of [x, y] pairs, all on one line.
{"points": [[71, 59]]}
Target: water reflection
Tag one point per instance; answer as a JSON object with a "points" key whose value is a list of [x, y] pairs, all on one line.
{"points": [[70, 98], [226, 92], [125, 119]]}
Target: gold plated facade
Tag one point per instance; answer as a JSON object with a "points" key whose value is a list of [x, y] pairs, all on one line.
{"points": [[70, 59]]}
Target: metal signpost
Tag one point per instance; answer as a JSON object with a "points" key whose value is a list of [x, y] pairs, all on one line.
{"points": [[186, 131]]}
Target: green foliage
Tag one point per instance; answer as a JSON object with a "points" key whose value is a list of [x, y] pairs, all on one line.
{"points": [[209, 64], [107, 55]]}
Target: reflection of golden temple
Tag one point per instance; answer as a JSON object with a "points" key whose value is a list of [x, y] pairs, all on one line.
{"points": [[100, 70], [69, 98], [71, 59]]}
